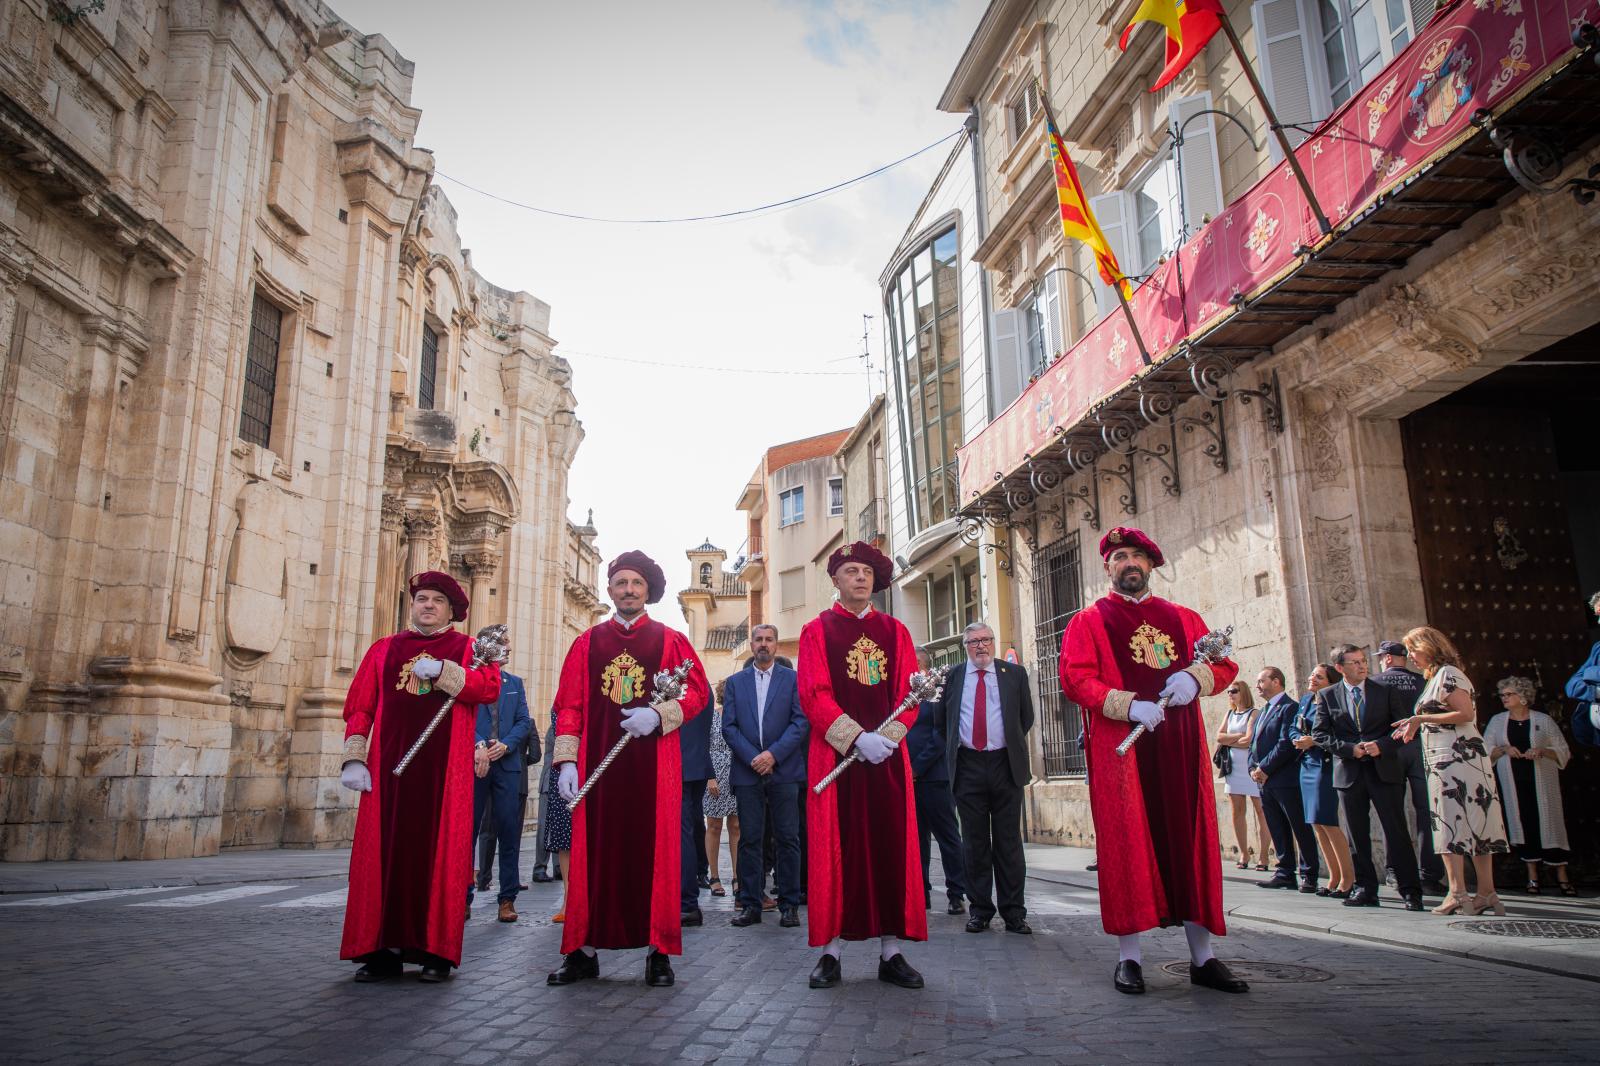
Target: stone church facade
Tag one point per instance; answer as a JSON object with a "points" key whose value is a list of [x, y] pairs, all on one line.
{"points": [[249, 381]]}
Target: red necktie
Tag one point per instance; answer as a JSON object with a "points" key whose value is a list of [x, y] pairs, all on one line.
{"points": [[980, 715]]}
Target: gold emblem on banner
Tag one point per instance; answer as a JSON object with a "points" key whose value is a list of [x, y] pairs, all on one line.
{"points": [[622, 681], [411, 682], [867, 663], [1153, 648]]}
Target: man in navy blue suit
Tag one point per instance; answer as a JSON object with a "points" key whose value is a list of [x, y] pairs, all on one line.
{"points": [[936, 805], [1275, 766], [694, 741], [766, 732], [498, 760]]}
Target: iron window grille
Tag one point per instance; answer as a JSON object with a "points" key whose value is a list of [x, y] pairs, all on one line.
{"points": [[1057, 596], [261, 373], [429, 374]]}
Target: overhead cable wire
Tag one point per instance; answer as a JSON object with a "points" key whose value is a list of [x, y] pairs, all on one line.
{"points": [[700, 366], [792, 201]]}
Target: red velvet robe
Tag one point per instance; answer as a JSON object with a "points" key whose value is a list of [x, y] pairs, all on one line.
{"points": [[412, 856], [865, 869], [625, 886], [1155, 817]]}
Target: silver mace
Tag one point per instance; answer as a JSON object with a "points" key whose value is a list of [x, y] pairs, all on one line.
{"points": [[490, 646], [666, 686], [1213, 647], [924, 686]]}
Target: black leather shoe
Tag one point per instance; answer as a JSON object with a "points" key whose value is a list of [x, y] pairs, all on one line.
{"points": [[658, 970], [789, 916], [541, 875], [1093, 866], [1435, 888], [1308, 887], [433, 974], [956, 906], [1343, 893], [379, 971], [694, 917], [1276, 881], [897, 971], [703, 881], [1019, 926], [977, 925], [1413, 900], [746, 916], [826, 973], [577, 966], [1361, 897], [1129, 977], [1324, 891], [1215, 975]]}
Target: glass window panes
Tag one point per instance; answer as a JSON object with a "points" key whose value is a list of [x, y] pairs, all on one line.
{"points": [[1156, 214], [429, 370], [835, 496], [792, 506], [260, 373], [1359, 37]]}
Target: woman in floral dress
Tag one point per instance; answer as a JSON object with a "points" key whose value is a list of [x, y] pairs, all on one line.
{"points": [[720, 808], [1466, 813]]}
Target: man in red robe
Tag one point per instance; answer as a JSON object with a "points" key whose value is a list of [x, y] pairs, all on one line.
{"points": [[624, 881], [865, 870], [1155, 816], [412, 858]]}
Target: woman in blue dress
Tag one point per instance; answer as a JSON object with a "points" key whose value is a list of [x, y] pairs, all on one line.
{"points": [[1316, 788]]}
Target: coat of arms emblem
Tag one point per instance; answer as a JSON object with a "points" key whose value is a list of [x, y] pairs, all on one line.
{"points": [[866, 662], [411, 682], [622, 680], [1152, 648]]}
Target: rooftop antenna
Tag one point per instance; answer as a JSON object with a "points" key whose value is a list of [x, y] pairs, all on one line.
{"points": [[866, 352]]}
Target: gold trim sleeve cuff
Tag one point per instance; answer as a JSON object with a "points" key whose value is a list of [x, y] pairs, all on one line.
{"points": [[1202, 673], [1117, 704], [841, 735], [671, 713], [895, 731], [566, 749], [452, 678], [355, 749]]}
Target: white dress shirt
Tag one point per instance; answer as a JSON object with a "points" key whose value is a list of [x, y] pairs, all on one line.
{"points": [[969, 691], [763, 680]]}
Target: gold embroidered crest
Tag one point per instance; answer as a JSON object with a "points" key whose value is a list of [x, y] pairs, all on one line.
{"points": [[622, 681], [867, 663], [411, 682], [1153, 648]]}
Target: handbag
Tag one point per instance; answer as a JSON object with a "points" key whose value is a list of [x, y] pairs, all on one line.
{"points": [[1222, 759]]}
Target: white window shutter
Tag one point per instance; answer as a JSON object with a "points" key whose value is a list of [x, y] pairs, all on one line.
{"points": [[1050, 307], [1007, 348], [1198, 161], [1113, 213], [1289, 53], [1422, 12]]}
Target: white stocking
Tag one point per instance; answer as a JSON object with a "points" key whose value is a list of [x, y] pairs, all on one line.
{"points": [[1128, 947], [1199, 943], [834, 948], [891, 947], [587, 950]]}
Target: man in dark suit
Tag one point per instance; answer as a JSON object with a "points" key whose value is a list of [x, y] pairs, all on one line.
{"points": [[694, 741], [499, 761], [766, 734], [985, 716], [1275, 766], [1407, 684], [1353, 721], [936, 808]]}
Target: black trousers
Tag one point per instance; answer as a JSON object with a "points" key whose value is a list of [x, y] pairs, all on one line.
{"points": [[692, 846], [1357, 800], [1286, 821], [936, 820], [1430, 865], [990, 805], [756, 803]]}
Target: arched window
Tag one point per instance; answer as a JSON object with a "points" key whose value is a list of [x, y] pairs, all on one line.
{"points": [[705, 575]]}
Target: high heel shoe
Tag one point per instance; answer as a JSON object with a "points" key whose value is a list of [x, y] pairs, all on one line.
{"points": [[1244, 859], [1491, 902], [1453, 903]]}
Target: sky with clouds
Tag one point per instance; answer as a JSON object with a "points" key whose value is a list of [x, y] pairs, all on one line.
{"points": [[668, 109]]}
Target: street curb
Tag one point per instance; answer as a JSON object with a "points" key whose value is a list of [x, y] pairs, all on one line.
{"points": [[102, 885]]}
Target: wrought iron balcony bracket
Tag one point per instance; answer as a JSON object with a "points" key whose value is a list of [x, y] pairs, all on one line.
{"points": [[1271, 397]]}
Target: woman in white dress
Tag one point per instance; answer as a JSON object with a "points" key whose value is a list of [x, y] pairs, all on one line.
{"points": [[1461, 799], [1233, 737], [1529, 754]]}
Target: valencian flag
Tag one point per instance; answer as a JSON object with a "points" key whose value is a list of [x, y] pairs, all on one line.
{"points": [[1077, 221], [1189, 25]]}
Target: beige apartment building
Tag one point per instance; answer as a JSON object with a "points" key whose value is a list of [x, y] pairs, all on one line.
{"points": [[1393, 427], [794, 504], [249, 381]]}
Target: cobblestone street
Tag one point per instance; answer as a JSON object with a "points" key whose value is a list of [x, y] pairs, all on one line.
{"points": [[247, 973]]}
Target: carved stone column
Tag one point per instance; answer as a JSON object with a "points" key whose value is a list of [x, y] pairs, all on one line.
{"points": [[422, 526], [389, 576], [482, 565]]}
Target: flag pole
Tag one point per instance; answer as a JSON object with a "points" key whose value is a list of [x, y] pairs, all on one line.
{"points": [[1272, 124], [1127, 312]]}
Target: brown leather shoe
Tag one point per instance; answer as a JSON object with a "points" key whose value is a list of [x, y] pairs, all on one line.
{"points": [[508, 911]]}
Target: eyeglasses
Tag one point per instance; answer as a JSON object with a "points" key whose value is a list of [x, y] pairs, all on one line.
{"points": [[978, 642]]}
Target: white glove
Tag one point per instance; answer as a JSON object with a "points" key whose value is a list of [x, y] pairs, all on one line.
{"points": [[355, 777], [1146, 713], [427, 669], [567, 781], [640, 721], [875, 747], [1180, 688]]}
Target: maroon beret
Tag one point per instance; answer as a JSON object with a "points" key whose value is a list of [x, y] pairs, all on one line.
{"points": [[862, 552], [1128, 537], [641, 564], [439, 581]]}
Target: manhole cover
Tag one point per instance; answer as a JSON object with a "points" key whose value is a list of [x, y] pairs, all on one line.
{"points": [[1281, 973], [1541, 929]]}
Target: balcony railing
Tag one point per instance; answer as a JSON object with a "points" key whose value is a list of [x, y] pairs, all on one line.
{"points": [[869, 523]]}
